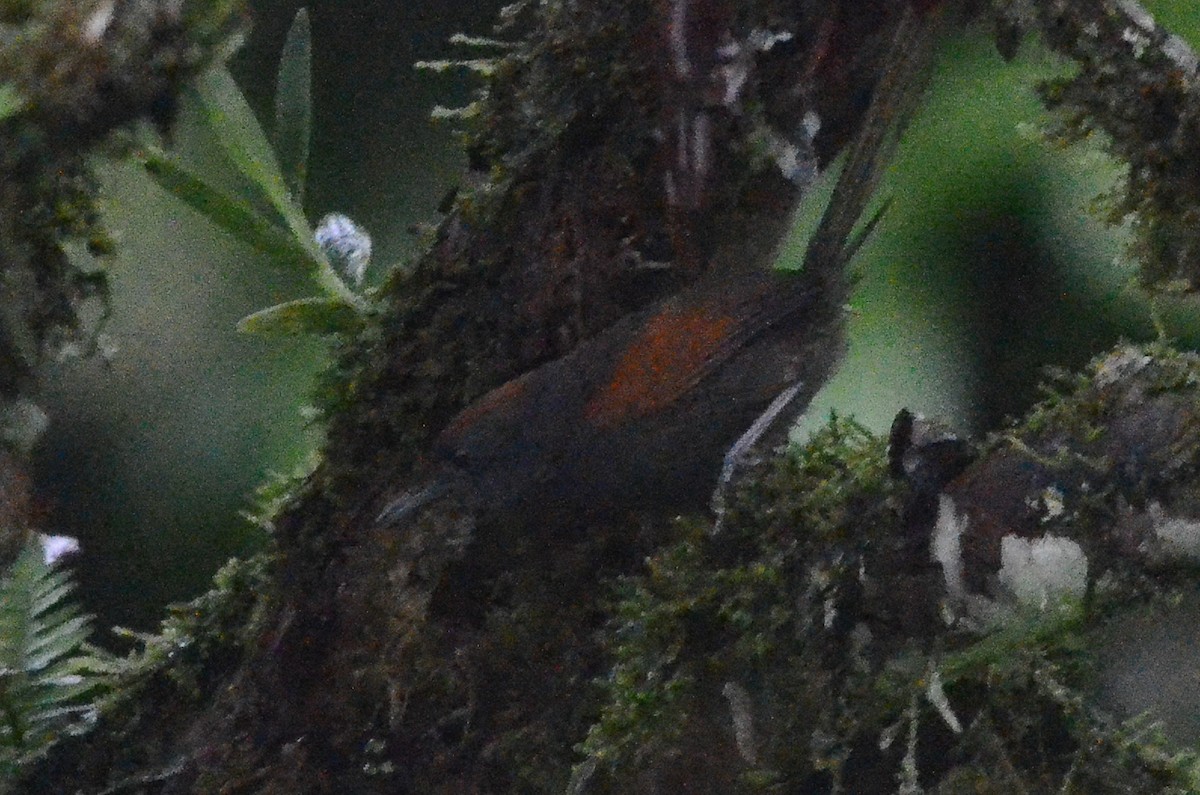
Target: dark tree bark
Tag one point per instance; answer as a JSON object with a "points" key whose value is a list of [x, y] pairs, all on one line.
{"points": [[442, 596]]}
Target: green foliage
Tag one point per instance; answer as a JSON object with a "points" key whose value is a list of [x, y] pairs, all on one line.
{"points": [[293, 105], [11, 102], [1132, 70], [49, 677], [277, 491], [200, 641], [747, 605], [76, 80], [819, 608], [236, 215], [268, 213], [305, 315]]}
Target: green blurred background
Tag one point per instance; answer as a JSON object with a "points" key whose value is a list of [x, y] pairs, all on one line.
{"points": [[991, 264]]}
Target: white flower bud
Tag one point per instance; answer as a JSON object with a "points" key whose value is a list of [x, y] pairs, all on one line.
{"points": [[347, 247]]}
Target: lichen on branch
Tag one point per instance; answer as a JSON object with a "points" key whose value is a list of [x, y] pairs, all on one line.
{"points": [[1138, 85]]}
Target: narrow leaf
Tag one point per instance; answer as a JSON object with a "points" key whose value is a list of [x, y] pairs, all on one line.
{"points": [[245, 144], [293, 106], [441, 112], [235, 216], [60, 614], [485, 67], [303, 316], [481, 41], [50, 592], [241, 136], [63, 634], [63, 712]]}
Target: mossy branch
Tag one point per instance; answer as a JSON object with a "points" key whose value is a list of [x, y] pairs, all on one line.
{"points": [[1139, 85]]}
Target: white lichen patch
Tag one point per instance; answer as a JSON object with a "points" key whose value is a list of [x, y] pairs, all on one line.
{"points": [[1052, 503], [677, 39], [1044, 571], [1137, 14], [796, 164], [936, 693], [1178, 537], [1181, 54], [765, 40], [97, 24], [743, 721], [811, 124], [947, 546], [830, 612], [1122, 363], [738, 58], [734, 76], [1137, 41]]}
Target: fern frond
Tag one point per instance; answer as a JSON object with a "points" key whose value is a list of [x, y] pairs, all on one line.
{"points": [[48, 677]]}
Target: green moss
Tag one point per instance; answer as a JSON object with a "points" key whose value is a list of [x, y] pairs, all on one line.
{"points": [[202, 640], [1134, 84], [815, 603], [742, 607], [159, 686], [71, 84]]}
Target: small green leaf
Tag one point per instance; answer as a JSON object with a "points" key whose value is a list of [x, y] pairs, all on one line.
{"points": [[233, 215], [303, 316], [293, 106], [241, 136], [11, 101], [238, 132]]}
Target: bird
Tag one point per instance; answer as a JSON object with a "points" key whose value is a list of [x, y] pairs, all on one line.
{"points": [[643, 415]]}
